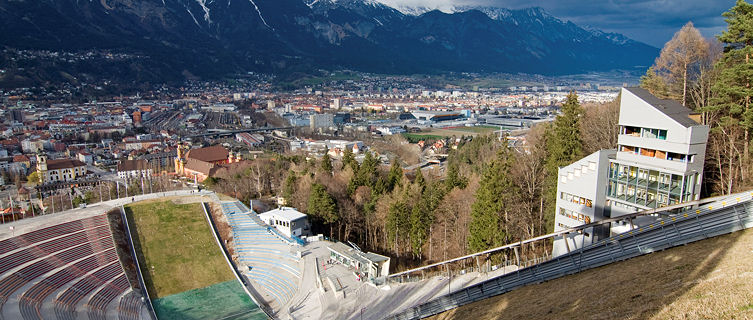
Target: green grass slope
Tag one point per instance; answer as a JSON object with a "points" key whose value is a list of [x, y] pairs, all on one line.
{"points": [[176, 249]]}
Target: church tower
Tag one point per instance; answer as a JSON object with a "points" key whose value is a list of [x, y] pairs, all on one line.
{"points": [[41, 167], [179, 161]]}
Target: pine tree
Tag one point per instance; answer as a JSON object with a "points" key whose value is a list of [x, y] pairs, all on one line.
{"points": [[419, 180], [654, 83], [289, 187], [397, 224], [563, 145], [453, 178], [486, 229], [349, 160], [322, 206], [395, 175], [733, 85], [326, 165]]}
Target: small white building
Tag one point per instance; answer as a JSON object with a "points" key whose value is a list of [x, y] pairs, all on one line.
{"points": [[287, 220], [134, 169]]}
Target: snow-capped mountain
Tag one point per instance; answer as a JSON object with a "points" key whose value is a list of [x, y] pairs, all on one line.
{"points": [[214, 37]]}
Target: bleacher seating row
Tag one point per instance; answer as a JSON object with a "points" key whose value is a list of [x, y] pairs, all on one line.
{"points": [[62, 265], [266, 258]]}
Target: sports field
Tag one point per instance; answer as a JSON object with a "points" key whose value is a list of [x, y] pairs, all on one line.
{"points": [[176, 249], [225, 300], [439, 133]]}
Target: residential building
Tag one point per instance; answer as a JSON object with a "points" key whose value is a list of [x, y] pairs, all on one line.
{"points": [[86, 157], [325, 121], [134, 169], [658, 162], [288, 221]]}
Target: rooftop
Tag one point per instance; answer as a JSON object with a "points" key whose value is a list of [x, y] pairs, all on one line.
{"points": [[208, 154], [286, 213], [131, 165], [64, 164], [671, 108]]}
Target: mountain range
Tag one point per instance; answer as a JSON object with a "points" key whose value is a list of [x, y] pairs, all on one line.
{"points": [[210, 38]]}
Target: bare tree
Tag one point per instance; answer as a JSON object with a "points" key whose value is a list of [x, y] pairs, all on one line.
{"points": [[600, 125], [679, 60]]}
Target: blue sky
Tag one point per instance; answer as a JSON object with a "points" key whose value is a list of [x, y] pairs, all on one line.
{"points": [[651, 21]]}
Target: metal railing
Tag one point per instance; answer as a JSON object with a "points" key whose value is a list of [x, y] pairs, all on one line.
{"points": [[578, 229], [717, 216]]}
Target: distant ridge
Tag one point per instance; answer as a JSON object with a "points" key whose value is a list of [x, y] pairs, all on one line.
{"points": [[215, 38]]}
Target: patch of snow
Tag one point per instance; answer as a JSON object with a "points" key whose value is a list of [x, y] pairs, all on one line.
{"points": [[194, 18], [260, 16], [203, 5]]}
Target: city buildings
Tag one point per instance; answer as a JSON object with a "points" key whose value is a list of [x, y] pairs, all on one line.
{"points": [[658, 162]]}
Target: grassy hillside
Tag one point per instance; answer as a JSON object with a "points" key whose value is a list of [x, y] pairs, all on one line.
{"points": [[709, 279], [176, 248]]}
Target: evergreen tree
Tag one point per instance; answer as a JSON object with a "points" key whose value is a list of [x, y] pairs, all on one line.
{"points": [[419, 180], [349, 160], [563, 145], [289, 187], [486, 229], [322, 206], [733, 85], [654, 83], [420, 220], [366, 174], [326, 165], [397, 224], [453, 178], [395, 175]]}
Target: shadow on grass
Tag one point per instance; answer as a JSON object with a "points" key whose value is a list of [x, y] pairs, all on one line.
{"points": [[637, 288], [140, 254]]}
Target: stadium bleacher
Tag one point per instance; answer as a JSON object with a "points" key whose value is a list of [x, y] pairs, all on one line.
{"points": [[265, 258], [47, 273]]}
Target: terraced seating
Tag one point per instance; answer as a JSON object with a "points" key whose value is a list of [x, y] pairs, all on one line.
{"points": [[31, 300], [48, 233], [271, 267], [130, 307], [275, 263], [21, 257], [285, 283], [18, 279], [271, 288], [65, 263], [97, 305], [65, 303], [270, 252]]}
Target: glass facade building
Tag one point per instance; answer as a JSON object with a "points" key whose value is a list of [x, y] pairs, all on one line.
{"points": [[648, 187]]}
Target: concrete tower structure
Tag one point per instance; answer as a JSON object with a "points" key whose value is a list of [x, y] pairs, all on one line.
{"points": [[658, 162]]}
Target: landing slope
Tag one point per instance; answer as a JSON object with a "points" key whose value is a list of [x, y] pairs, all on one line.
{"points": [[709, 279], [183, 268], [177, 250]]}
